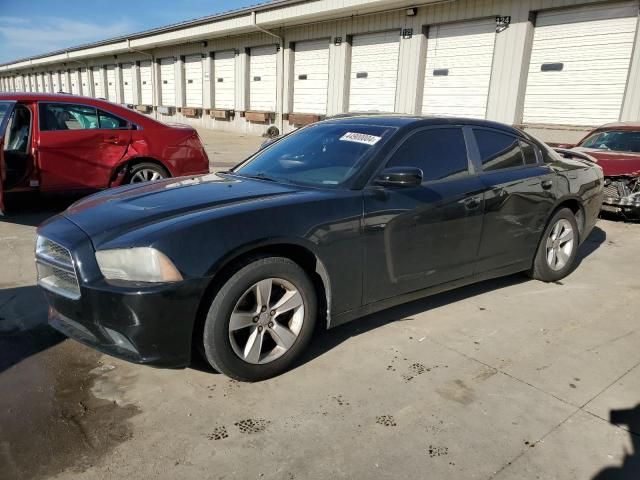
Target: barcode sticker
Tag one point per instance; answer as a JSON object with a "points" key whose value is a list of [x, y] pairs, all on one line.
{"points": [[360, 138]]}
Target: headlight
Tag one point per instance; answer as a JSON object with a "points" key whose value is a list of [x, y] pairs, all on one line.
{"points": [[142, 264]]}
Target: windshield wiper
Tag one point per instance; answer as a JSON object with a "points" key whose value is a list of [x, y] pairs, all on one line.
{"points": [[257, 176]]}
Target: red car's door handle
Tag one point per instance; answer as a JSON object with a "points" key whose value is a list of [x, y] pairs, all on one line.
{"points": [[112, 140]]}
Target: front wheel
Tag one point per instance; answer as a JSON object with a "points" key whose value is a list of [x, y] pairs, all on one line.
{"points": [[260, 320], [558, 248]]}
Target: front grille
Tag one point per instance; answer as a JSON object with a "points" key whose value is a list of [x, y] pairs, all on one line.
{"points": [[56, 270], [611, 191]]}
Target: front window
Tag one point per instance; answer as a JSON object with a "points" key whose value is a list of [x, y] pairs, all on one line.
{"points": [[613, 140], [5, 111], [320, 155]]}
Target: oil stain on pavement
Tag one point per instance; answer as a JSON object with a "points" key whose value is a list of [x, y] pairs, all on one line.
{"points": [[50, 420]]}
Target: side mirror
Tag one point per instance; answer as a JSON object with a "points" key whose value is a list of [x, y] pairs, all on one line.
{"points": [[400, 177]]}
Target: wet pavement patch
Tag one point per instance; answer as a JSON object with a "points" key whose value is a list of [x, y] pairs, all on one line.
{"points": [[50, 421]]}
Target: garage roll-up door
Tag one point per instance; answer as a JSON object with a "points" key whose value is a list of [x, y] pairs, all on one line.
{"points": [[579, 65], [168, 82], [146, 83], [84, 80], [112, 84], [40, 82], [47, 83], [55, 82], [224, 78], [63, 82], [98, 83], [458, 69], [262, 79], [374, 72], [75, 86], [127, 83], [193, 80], [311, 77]]}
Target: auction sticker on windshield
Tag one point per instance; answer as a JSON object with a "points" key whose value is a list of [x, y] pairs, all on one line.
{"points": [[360, 138]]}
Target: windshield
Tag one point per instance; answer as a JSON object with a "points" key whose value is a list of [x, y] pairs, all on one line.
{"points": [[320, 155], [618, 141]]}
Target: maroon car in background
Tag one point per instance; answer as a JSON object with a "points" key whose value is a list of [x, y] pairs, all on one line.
{"points": [[616, 149], [62, 143]]}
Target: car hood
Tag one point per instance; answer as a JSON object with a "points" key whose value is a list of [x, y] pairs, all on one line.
{"points": [[614, 163], [113, 212]]}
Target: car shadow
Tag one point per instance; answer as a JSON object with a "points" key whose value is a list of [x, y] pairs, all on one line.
{"points": [[590, 245], [31, 209], [24, 330], [325, 340], [630, 469]]}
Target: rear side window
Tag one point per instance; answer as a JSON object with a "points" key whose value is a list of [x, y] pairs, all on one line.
{"points": [[67, 116], [441, 153], [498, 151], [110, 121], [529, 152]]}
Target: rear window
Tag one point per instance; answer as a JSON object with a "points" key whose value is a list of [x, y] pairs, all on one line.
{"points": [[614, 140]]}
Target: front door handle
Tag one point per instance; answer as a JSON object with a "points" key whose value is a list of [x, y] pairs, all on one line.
{"points": [[112, 140], [547, 184]]}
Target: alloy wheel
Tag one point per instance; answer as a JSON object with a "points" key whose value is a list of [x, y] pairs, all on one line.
{"points": [[146, 175], [560, 244], [266, 321]]}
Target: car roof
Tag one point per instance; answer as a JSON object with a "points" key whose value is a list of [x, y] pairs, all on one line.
{"points": [[632, 126], [52, 97], [403, 120], [95, 102]]}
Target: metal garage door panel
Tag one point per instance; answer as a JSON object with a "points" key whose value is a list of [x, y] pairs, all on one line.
{"points": [[146, 83], [39, 82], [168, 82], [262, 79], [84, 81], [594, 46], [98, 83], [75, 86], [47, 83], [55, 82], [311, 77], [224, 74], [193, 80], [112, 84], [127, 83], [458, 69], [63, 82], [374, 72]]}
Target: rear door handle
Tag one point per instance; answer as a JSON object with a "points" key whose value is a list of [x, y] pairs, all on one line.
{"points": [[112, 140], [547, 184], [472, 203]]}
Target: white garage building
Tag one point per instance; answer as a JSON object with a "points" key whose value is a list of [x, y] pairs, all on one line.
{"points": [[556, 67]]}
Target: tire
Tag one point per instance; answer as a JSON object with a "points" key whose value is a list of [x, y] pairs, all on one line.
{"points": [[227, 348], [146, 172], [553, 266]]}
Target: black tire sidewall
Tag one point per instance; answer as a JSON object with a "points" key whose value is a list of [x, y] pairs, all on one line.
{"points": [[217, 345], [542, 270]]}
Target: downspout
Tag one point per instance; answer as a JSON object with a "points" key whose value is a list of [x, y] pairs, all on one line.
{"points": [[153, 77], [281, 44]]}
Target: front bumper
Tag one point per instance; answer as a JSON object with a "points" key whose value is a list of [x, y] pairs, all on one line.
{"points": [[142, 323]]}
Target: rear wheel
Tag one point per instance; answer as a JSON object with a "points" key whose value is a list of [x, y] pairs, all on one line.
{"points": [[260, 320], [558, 248], [146, 172]]}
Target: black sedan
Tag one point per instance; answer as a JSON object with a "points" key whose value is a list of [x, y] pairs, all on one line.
{"points": [[330, 223]]}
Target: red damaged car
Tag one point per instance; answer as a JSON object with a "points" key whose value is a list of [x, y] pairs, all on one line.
{"points": [[616, 148], [61, 143]]}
